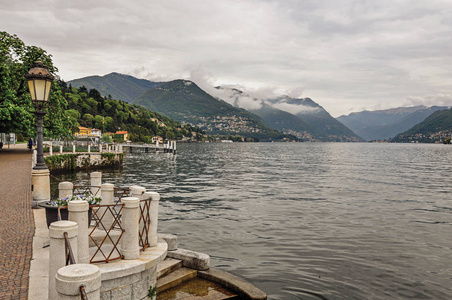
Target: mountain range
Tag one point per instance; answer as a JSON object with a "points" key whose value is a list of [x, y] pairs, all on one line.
{"points": [[386, 124], [186, 102], [229, 111], [436, 128], [298, 116]]}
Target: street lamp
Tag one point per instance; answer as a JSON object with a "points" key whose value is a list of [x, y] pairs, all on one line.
{"points": [[39, 82]]}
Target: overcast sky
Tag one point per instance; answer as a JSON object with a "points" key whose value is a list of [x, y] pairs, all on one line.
{"points": [[345, 55]]}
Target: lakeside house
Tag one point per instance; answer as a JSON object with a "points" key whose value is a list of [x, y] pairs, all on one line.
{"points": [[122, 136]]}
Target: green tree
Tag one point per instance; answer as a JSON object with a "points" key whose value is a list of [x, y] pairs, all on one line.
{"points": [[16, 108]]}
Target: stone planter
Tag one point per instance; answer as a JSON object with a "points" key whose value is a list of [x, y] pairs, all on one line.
{"points": [[52, 213]]}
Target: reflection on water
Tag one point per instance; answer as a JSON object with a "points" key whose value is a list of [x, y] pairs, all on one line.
{"points": [[309, 221]]}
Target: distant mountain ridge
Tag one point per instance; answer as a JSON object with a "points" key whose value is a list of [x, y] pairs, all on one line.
{"points": [[312, 113], [124, 87], [386, 124], [434, 129], [184, 101], [302, 117]]}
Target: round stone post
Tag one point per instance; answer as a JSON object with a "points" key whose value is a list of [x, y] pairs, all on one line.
{"points": [[40, 180], [152, 235], [96, 181], [174, 147], [108, 197], [57, 252], [73, 148], [130, 215], [69, 279], [100, 148], [61, 149], [65, 189], [138, 192], [156, 146], [89, 148], [78, 213], [51, 148]]}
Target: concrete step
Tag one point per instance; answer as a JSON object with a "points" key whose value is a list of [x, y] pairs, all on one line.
{"points": [[199, 289], [175, 278], [167, 266]]}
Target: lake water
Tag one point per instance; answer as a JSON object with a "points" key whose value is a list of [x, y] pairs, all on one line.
{"points": [[310, 220]]}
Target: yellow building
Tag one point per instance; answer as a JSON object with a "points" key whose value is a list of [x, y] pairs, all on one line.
{"points": [[83, 132], [157, 139]]}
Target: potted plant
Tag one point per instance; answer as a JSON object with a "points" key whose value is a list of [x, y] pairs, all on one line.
{"points": [[52, 207]]}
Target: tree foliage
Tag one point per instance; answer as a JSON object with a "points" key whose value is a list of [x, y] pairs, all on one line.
{"points": [[16, 109], [90, 109]]}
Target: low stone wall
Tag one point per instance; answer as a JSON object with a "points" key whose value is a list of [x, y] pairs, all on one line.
{"points": [[131, 279], [82, 161]]}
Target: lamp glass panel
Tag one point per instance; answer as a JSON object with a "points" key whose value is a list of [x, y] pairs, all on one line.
{"points": [[48, 85], [40, 85], [31, 86]]}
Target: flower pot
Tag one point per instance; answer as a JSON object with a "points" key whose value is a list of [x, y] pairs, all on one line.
{"points": [[52, 213]]}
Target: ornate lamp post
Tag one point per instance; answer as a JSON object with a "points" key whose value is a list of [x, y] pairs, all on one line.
{"points": [[39, 82]]}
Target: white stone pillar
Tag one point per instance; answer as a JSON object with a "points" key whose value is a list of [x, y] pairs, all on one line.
{"points": [[137, 191], [65, 189], [96, 182], [50, 149], [108, 197], [69, 279], [130, 215], [152, 235], [100, 148], [89, 148], [40, 180], [73, 148], [174, 147], [61, 149], [57, 252], [78, 213]]}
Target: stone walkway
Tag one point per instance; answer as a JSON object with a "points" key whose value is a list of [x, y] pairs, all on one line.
{"points": [[16, 221]]}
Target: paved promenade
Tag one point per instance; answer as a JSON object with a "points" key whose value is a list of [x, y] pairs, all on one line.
{"points": [[16, 221]]}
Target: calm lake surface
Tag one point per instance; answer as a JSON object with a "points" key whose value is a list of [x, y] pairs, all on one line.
{"points": [[309, 220]]}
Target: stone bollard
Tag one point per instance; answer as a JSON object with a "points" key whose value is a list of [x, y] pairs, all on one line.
{"points": [[65, 189], [96, 182], [100, 148], [69, 279], [78, 213], [137, 191], [130, 216], [108, 197], [57, 252], [174, 147], [152, 234], [61, 149], [156, 146], [73, 148], [89, 148], [50, 149]]}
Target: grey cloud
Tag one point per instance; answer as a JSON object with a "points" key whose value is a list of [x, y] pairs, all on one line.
{"points": [[343, 54]]}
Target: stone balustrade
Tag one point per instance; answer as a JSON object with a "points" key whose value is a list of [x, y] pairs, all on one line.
{"points": [[64, 280]]}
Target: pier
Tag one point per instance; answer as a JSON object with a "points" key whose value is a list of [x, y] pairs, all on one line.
{"points": [[169, 147]]}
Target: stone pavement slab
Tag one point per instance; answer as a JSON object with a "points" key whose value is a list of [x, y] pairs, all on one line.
{"points": [[16, 222]]}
